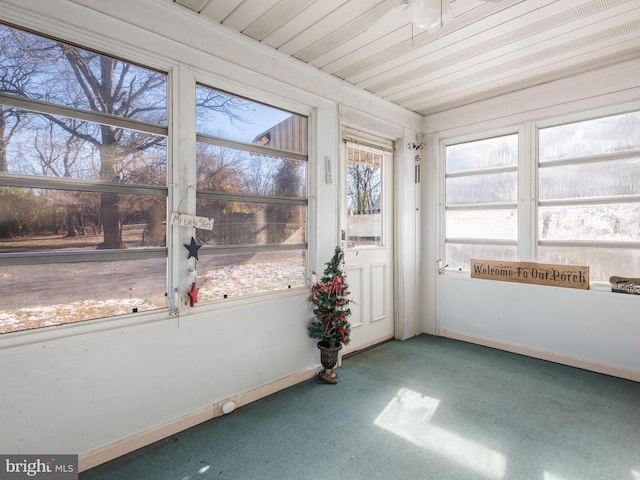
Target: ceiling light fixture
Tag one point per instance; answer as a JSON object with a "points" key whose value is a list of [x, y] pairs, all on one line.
{"points": [[430, 14]]}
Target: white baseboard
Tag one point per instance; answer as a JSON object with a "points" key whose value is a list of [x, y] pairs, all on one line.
{"points": [[127, 445], [598, 367]]}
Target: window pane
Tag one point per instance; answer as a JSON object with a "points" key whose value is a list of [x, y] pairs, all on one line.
{"points": [[221, 169], [598, 222], [44, 69], [489, 188], [248, 223], [608, 178], [459, 255], [234, 118], [364, 198], [485, 224], [617, 133], [82, 291], [233, 275], [52, 220], [602, 262], [481, 188], [488, 153], [42, 146]]}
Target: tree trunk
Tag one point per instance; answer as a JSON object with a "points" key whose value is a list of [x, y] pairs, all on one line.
{"points": [[110, 213], [72, 232], [4, 166], [155, 227], [109, 202]]}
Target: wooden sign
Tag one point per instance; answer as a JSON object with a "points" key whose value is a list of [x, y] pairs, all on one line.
{"points": [[183, 220], [569, 276]]}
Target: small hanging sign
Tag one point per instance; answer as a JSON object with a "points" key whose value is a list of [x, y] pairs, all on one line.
{"points": [[183, 220]]}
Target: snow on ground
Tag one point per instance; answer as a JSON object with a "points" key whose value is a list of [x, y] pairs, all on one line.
{"points": [[231, 280]]}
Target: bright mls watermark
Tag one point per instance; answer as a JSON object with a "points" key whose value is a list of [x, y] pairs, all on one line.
{"points": [[44, 467]]}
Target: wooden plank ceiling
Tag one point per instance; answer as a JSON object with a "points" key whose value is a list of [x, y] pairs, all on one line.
{"points": [[488, 49]]}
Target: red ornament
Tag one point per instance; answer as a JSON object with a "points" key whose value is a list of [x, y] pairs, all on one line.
{"points": [[193, 294]]}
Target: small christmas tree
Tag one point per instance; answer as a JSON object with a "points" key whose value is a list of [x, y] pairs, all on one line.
{"points": [[331, 305]]}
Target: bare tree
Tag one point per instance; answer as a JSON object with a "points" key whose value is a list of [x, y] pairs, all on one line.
{"points": [[16, 73], [288, 182], [57, 158], [38, 68], [363, 189]]}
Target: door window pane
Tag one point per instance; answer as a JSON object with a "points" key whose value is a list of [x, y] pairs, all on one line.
{"points": [[364, 198]]}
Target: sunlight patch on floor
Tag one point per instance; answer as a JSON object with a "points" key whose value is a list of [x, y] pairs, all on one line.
{"points": [[202, 471], [408, 416], [551, 476], [635, 474]]}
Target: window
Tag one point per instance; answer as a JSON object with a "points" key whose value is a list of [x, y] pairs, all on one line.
{"points": [[481, 201], [83, 184], [251, 176], [364, 197], [586, 178], [589, 195]]}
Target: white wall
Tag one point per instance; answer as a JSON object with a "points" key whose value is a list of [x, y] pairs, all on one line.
{"points": [[590, 329], [597, 330], [90, 387]]}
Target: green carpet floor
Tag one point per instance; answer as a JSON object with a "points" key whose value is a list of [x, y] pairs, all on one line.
{"points": [[426, 408]]}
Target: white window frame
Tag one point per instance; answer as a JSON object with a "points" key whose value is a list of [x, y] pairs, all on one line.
{"points": [[523, 171], [605, 200], [180, 128], [528, 181], [202, 78], [92, 186]]}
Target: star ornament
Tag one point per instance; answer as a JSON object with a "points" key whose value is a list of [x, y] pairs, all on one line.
{"points": [[193, 249], [193, 294]]}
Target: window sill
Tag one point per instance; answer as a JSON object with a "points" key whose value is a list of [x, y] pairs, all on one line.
{"points": [[16, 342], [44, 337]]}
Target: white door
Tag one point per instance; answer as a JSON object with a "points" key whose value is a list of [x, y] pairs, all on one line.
{"points": [[367, 237]]}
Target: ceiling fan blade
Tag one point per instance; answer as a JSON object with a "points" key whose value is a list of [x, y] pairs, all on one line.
{"points": [[391, 14]]}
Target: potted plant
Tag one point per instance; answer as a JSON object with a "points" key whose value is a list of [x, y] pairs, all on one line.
{"points": [[330, 300]]}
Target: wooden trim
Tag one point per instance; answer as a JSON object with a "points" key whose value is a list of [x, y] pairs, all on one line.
{"points": [[347, 352], [114, 450], [568, 360]]}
